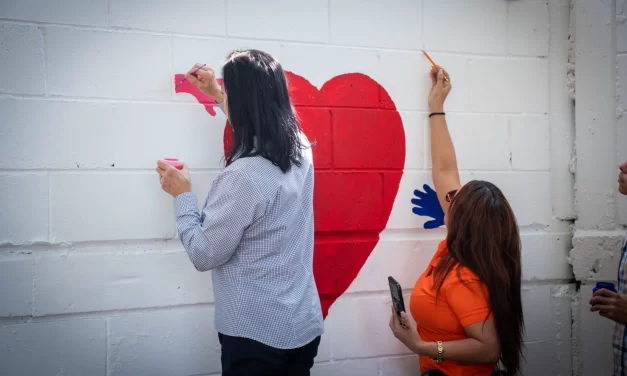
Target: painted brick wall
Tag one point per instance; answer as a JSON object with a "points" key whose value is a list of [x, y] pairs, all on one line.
{"points": [[93, 280]]}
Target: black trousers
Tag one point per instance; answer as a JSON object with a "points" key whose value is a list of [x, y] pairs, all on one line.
{"points": [[246, 357]]}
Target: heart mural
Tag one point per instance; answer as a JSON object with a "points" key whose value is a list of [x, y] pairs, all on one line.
{"points": [[359, 154]]}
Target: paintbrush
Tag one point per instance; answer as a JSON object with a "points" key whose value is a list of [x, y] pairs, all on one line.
{"points": [[193, 73], [437, 68]]}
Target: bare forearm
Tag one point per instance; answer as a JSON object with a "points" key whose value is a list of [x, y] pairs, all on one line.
{"points": [[467, 350], [442, 150]]}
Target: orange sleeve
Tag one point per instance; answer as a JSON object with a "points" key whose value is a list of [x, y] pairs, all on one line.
{"points": [[469, 300]]}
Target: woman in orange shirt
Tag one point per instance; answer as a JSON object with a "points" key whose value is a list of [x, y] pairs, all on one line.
{"points": [[467, 304]]}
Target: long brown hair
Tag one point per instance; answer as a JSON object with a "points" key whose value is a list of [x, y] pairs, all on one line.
{"points": [[483, 236]]}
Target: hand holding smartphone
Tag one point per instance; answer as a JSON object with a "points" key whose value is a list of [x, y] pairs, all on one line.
{"points": [[397, 298]]}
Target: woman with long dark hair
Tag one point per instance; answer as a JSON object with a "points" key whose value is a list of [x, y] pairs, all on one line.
{"points": [[467, 303], [256, 231]]}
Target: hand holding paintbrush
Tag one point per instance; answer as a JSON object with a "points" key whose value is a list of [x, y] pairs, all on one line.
{"points": [[204, 78], [440, 88], [193, 73], [437, 67]]}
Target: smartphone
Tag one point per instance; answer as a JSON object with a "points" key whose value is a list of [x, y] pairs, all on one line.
{"points": [[397, 296]]}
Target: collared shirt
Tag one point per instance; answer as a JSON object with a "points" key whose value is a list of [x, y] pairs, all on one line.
{"points": [[443, 317], [619, 340], [256, 234]]}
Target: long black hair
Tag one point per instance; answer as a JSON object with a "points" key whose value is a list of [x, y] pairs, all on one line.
{"points": [[483, 236], [260, 110]]}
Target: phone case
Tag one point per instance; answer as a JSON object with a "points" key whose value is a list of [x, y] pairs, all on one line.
{"points": [[397, 295]]}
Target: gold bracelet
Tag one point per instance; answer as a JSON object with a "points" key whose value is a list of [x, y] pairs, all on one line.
{"points": [[440, 358]]}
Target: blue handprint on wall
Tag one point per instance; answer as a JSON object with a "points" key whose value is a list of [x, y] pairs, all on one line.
{"points": [[427, 205]]}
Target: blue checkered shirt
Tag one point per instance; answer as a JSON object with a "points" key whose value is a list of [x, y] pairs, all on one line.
{"points": [[256, 234], [619, 341]]}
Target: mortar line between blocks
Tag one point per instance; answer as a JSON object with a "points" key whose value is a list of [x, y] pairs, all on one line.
{"points": [[44, 41], [49, 181], [106, 340], [171, 63], [285, 41], [115, 100], [96, 170], [132, 247], [226, 18], [109, 313], [107, 12], [329, 21], [370, 357], [422, 24], [34, 286], [510, 143], [507, 26], [385, 293], [120, 247], [150, 170]]}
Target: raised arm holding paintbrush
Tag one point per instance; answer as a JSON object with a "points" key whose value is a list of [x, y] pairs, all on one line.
{"points": [[444, 160], [466, 304]]}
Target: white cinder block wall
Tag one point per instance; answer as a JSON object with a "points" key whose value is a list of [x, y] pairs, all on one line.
{"points": [[601, 140], [93, 280]]}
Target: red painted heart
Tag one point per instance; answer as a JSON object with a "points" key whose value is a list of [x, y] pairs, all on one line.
{"points": [[359, 155]]}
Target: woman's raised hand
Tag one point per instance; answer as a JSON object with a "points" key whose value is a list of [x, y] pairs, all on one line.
{"points": [[439, 89], [205, 80]]}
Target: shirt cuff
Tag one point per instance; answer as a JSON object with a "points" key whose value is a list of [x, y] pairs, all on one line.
{"points": [[185, 203], [221, 105]]}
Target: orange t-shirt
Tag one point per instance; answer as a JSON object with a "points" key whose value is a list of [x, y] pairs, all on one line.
{"points": [[458, 305]]}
